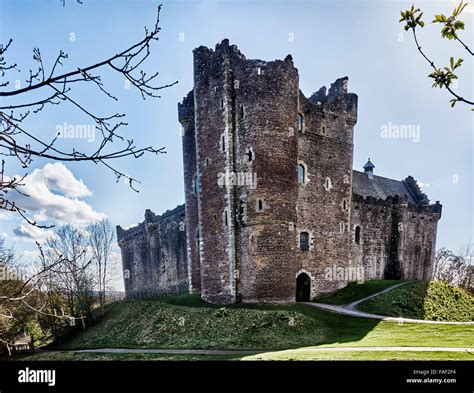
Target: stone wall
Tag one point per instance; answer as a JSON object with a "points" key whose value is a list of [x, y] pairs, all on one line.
{"points": [[397, 238], [154, 256]]}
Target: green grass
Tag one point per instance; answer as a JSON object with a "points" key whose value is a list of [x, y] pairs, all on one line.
{"points": [[66, 356], [305, 354], [296, 354], [188, 322], [355, 291], [436, 301]]}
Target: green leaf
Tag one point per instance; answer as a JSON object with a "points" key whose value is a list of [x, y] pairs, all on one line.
{"points": [[451, 62]]}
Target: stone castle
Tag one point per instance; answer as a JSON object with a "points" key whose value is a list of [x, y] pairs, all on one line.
{"points": [[273, 210]]}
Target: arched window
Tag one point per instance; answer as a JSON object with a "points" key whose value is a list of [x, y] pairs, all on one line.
{"points": [[357, 234], [301, 174], [300, 122], [304, 241], [260, 205]]}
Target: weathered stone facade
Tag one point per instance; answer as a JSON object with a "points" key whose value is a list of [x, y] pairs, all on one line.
{"points": [[154, 255], [274, 211]]}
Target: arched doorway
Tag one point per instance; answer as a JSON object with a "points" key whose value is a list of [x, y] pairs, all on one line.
{"points": [[303, 288]]}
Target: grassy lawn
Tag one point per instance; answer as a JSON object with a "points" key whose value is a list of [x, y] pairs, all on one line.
{"points": [[296, 354], [60, 356], [305, 354], [355, 291], [188, 322], [436, 301]]}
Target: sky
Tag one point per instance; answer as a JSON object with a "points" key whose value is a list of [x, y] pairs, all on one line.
{"points": [[327, 39]]}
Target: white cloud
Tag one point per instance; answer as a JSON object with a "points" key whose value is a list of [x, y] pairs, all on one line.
{"points": [[58, 178], [32, 233], [53, 197], [422, 185]]}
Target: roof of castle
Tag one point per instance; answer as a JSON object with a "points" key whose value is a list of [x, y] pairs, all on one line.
{"points": [[379, 187]]}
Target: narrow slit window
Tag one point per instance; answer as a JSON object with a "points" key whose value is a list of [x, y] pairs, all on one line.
{"points": [[196, 184], [260, 205], [300, 122], [301, 174]]}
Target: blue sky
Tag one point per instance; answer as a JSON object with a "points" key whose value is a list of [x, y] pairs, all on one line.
{"points": [[360, 39]]}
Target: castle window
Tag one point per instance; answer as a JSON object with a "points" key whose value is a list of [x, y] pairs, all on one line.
{"points": [[222, 103], [301, 174], [259, 71], [344, 204], [260, 205], [226, 219], [207, 161], [323, 129], [241, 112], [300, 122], [196, 184], [304, 241], [223, 143], [357, 234], [249, 154]]}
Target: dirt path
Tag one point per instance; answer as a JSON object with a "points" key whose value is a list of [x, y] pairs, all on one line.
{"points": [[349, 309]]}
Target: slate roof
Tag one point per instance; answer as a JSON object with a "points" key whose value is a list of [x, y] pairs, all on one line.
{"points": [[379, 187]]}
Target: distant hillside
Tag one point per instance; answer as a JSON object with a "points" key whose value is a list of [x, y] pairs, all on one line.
{"points": [[436, 301]]}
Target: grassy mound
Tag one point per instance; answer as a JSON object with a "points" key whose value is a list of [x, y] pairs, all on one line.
{"points": [[188, 322], [168, 323], [436, 301], [355, 291]]}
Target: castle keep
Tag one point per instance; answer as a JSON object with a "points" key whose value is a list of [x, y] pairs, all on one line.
{"points": [[273, 210]]}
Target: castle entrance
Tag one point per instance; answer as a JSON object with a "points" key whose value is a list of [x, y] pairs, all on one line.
{"points": [[303, 288]]}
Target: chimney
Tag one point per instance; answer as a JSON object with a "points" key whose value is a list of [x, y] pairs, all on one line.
{"points": [[369, 169]]}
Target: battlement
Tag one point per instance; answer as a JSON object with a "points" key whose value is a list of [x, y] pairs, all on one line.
{"points": [[420, 197], [337, 99], [401, 200], [150, 218], [186, 108]]}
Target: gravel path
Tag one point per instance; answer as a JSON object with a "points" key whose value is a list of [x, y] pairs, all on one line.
{"points": [[350, 309]]}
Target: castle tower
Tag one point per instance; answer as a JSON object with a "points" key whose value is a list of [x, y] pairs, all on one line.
{"points": [[325, 152], [191, 185], [252, 129]]}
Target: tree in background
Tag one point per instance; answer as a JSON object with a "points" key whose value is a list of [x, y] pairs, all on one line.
{"points": [[445, 76], [47, 89], [100, 238], [456, 269]]}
